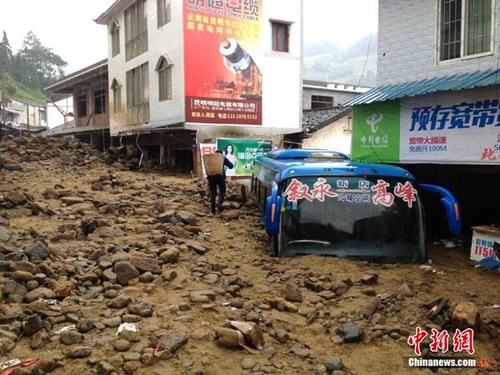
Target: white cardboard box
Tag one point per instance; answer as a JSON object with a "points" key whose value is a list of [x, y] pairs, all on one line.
{"points": [[482, 242]]}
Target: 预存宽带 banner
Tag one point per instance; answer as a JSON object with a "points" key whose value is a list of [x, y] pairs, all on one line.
{"points": [[448, 130]]}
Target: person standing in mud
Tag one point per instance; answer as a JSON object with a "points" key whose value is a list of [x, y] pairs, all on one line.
{"points": [[216, 176]]}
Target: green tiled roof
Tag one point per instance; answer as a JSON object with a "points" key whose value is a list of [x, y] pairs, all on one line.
{"points": [[426, 86]]}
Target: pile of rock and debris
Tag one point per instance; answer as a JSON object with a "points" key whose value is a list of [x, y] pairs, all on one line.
{"points": [[107, 271]]}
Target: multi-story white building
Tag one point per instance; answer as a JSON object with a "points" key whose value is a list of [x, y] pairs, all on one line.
{"points": [[436, 105], [185, 72]]}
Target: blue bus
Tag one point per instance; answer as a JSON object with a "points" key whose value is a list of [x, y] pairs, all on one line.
{"points": [[320, 202]]}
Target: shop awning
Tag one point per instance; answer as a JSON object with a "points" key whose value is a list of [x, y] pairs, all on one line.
{"points": [[426, 86]]}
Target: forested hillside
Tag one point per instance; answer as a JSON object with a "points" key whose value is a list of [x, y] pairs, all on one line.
{"points": [[24, 74]]}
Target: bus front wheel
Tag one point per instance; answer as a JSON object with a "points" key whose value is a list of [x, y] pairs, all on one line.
{"points": [[274, 246]]}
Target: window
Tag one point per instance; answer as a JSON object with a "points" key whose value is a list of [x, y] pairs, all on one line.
{"points": [[465, 28], [117, 96], [280, 33], [138, 95], [82, 105], [115, 38], [99, 101], [163, 12], [136, 30], [164, 69], [318, 101]]}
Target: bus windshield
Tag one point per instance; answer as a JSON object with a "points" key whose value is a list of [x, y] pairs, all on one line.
{"points": [[372, 218]]}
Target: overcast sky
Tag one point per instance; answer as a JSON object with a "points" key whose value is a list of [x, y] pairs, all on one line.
{"points": [[67, 26]]}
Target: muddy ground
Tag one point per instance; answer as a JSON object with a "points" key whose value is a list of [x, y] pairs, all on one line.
{"points": [[86, 246]]}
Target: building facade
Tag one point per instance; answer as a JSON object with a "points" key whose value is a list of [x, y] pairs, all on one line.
{"points": [[89, 118], [23, 115], [320, 94], [435, 109], [436, 39], [185, 72]]}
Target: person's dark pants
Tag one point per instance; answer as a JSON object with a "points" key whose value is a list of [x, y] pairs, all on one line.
{"points": [[215, 181]]}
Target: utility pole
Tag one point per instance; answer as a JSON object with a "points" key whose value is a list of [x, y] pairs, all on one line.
{"points": [[28, 117], [2, 106]]}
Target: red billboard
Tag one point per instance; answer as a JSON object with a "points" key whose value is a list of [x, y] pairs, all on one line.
{"points": [[223, 82]]}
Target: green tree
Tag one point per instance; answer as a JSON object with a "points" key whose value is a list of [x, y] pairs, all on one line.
{"points": [[5, 54], [36, 65]]}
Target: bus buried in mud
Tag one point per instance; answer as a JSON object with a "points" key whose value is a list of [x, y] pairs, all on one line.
{"points": [[319, 202]]}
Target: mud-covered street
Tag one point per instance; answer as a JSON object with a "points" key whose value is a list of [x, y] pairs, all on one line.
{"points": [[104, 270]]}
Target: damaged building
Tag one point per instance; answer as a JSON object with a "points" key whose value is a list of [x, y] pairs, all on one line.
{"points": [[184, 74]]}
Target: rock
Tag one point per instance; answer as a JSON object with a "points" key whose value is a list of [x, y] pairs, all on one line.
{"points": [[4, 234], [370, 308], [269, 351], [4, 266], [289, 307], [105, 368], [37, 251], [202, 296], [121, 345], [119, 302], [248, 363], [166, 217], [340, 287], [171, 341], [327, 294], [228, 338], [26, 266], [131, 367], [197, 247], [44, 366], [71, 337], [293, 293], [79, 352], [466, 315], [6, 345], [350, 332], [317, 329], [21, 371], [84, 326], [63, 289], [369, 278], [15, 197], [168, 275], [406, 291], [39, 340], [300, 350], [333, 363], [130, 336], [144, 264], [125, 271], [109, 275], [39, 293], [12, 287], [187, 217], [337, 339], [281, 335], [172, 255], [111, 232], [72, 200], [142, 309], [131, 356], [237, 302], [33, 324], [114, 321]]}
